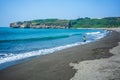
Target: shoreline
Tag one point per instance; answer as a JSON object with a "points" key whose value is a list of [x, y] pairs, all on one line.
{"points": [[55, 66], [99, 69], [8, 61]]}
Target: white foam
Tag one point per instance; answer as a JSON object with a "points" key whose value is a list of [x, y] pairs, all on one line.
{"points": [[13, 57], [89, 33], [97, 35]]}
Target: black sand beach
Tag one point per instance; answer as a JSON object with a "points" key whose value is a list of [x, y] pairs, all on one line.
{"points": [[55, 66]]}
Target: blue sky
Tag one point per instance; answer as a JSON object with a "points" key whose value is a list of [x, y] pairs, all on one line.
{"points": [[23, 10]]}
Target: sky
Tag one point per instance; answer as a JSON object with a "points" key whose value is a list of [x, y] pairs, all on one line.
{"points": [[24, 10]]}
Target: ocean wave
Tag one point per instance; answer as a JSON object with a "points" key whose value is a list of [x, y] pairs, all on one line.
{"points": [[93, 33], [97, 35], [40, 38], [9, 57], [14, 57]]}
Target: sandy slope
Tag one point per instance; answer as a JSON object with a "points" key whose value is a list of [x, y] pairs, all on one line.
{"points": [[100, 69]]}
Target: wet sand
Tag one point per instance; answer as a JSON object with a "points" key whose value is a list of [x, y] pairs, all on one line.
{"points": [[56, 66]]}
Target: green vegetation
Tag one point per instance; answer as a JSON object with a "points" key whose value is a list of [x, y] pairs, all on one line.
{"points": [[96, 23], [82, 22], [75, 23], [48, 22]]}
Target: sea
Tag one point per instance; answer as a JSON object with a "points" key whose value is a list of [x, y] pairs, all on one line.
{"points": [[18, 45]]}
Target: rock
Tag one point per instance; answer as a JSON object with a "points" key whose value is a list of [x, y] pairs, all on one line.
{"points": [[44, 24]]}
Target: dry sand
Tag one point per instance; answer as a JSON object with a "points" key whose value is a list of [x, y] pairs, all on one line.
{"points": [[100, 69], [55, 66]]}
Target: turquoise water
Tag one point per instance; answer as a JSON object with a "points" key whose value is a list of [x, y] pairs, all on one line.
{"points": [[20, 44]]}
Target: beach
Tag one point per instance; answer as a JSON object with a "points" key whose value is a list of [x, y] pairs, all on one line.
{"points": [[61, 65]]}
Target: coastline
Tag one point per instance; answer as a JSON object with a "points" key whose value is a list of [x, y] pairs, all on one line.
{"points": [[99, 69], [56, 66]]}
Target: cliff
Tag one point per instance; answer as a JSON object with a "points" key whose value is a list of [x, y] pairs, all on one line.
{"points": [[42, 23], [75, 23]]}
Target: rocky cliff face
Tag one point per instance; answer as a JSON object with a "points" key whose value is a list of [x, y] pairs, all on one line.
{"points": [[16, 24], [39, 24]]}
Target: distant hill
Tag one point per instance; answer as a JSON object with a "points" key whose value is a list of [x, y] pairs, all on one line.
{"points": [[41, 23], [76, 23], [96, 23]]}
